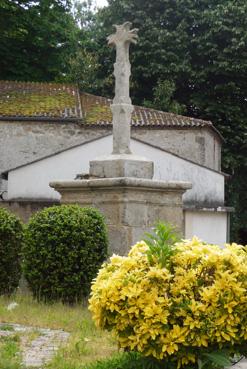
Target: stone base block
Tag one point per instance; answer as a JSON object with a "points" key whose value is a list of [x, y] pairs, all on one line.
{"points": [[123, 165], [131, 205]]}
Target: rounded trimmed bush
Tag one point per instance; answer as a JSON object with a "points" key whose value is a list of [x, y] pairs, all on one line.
{"points": [[65, 245], [177, 304], [11, 237]]}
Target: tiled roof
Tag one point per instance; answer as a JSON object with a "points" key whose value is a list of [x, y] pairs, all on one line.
{"points": [[32, 99], [38, 101], [96, 111]]}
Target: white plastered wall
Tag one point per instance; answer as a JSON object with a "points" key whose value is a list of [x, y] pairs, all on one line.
{"points": [[209, 226], [207, 185], [32, 181]]}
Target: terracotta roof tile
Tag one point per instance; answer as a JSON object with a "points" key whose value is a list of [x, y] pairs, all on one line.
{"points": [[38, 101], [32, 99], [96, 111]]}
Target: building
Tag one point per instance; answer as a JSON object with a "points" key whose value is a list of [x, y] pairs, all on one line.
{"points": [[51, 131]]}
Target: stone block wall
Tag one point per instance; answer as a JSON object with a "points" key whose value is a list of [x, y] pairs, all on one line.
{"points": [[25, 141], [22, 142], [25, 209], [131, 206], [201, 146]]}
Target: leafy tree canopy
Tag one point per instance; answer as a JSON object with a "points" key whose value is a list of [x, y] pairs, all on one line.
{"points": [[192, 59], [36, 39]]}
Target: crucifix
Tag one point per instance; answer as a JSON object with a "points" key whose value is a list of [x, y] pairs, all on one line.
{"points": [[122, 162], [122, 107]]}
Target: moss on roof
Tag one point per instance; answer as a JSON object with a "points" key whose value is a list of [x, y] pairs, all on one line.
{"points": [[98, 113], [31, 100], [38, 100], [31, 104], [96, 110]]}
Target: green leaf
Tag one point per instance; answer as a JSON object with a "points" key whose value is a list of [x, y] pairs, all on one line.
{"points": [[219, 358], [161, 244]]}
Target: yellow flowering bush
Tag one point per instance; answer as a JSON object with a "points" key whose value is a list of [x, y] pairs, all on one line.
{"points": [[197, 304]]}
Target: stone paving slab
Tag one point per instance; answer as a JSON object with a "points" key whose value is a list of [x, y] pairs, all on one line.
{"points": [[42, 348]]}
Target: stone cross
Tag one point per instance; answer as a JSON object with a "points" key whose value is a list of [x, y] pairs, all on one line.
{"points": [[122, 107], [121, 163]]}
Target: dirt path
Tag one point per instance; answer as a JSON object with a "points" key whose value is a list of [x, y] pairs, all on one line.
{"points": [[38, 345]]}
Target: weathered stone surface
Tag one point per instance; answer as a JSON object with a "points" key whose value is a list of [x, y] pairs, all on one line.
{"points": [[121, 107], [122, 163], [121, 128], [23, 142], [25, 209], [120, 238], [124, 191], [198, 145], [131, 205], [122, 39], [121, 166], [152, 185]]}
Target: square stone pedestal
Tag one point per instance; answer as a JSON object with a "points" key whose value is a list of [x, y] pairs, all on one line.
{"points": [[131, 205], [124, 165]]}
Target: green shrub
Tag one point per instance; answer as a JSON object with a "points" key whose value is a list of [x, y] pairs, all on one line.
{"points": [[11, 236], [182, 302], [128, 360], [65, 245]]}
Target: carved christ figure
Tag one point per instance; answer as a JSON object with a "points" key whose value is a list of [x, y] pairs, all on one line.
{"points": [[122, 39]]}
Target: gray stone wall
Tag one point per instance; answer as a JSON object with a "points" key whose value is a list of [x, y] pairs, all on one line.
{"points": [[131, 206], [23, 142], [25, 209], [199, 145]]}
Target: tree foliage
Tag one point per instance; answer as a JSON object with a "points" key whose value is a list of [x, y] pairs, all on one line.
{"points": [[192, 59], [36, 39], [83, 66]]}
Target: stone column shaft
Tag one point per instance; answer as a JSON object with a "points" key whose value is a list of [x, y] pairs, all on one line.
{"points": [[121, 130]]}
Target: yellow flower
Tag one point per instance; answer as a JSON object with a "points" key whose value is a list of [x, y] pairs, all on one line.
{"points": [[201, 303]]}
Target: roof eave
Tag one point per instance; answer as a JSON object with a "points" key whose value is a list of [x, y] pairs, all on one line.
{"points": [[41, 119]]}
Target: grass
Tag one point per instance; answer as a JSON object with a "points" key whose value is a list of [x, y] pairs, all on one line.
{"points": [[86, 343], [6, 327], [54, 316], [129, 360], [10, 352]]}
